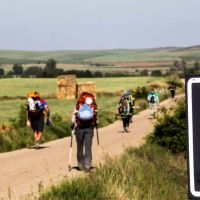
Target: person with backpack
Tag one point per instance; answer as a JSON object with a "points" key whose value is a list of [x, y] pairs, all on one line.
{"points": [[172, 89], [125, 110], [152, 98], [36, 109], [84, 119]]}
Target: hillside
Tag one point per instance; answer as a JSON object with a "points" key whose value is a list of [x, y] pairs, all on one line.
{"points": [[101, 56]]}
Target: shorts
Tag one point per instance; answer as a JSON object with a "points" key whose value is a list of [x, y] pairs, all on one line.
{"points": [[37, 124]]}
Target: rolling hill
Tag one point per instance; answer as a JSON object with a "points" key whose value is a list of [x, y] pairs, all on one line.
{"points": [[101, 56]]}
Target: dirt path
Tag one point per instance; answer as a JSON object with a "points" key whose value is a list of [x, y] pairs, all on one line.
{"points": [[23, 171]]}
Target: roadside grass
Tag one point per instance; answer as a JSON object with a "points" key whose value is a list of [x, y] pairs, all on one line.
{"points": [[149, 172]]}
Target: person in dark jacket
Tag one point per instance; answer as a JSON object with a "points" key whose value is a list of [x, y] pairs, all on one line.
{"points": [[172, 89]]}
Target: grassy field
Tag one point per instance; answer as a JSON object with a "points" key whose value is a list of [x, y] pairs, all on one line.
{"points": [[17, 88], [116, 55]]}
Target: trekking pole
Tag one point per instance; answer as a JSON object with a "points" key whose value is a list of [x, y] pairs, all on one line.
{"points": [[97, 134], [70, 150]]}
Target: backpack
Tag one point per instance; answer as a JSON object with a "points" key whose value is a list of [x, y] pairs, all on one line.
{"points": [[152, 98], [86, 110], [124, 107], [35, 105]]}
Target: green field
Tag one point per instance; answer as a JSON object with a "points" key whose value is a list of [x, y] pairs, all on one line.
{"points": [[16, 88], [63, 107], [116, 55]]}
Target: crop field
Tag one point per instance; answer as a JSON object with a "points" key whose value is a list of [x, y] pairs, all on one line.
{"points": [[17, 88]]}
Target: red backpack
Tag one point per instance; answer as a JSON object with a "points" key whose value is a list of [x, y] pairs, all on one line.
{"points": [[86, 107]]}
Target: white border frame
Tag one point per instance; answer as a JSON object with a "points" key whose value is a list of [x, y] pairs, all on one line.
{"points": [[190, 135]]}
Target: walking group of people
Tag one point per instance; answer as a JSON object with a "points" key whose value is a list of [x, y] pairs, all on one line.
{"points": [[127, 104], [85, 119]]}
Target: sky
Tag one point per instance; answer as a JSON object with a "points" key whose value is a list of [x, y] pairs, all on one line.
{"points": [[98, 24]]}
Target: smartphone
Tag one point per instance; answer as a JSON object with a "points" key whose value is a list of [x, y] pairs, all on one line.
{"points": [[193, 118]]}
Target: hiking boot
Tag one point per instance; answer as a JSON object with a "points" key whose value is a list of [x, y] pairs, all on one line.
{"points": [[80, 167], [126, 130], [87, 169], [37, 145]]}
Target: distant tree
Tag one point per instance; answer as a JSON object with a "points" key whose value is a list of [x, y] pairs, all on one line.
{"points": [[184, 67], [177, 64], [196, 67], [192, 70], [98, 74], [156, 72], [17, 69], [144, 72], [183, 64], [10, 73], [51, 65], [88, 73], [33, 71], [137, 72], [2, 72], [59, 71], [50, 68]]}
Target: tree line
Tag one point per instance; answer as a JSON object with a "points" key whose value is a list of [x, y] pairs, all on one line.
{"points": [[50, 71]]}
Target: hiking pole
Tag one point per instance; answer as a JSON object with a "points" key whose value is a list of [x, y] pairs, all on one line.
{"points": [[70, 150], [97, 134]]}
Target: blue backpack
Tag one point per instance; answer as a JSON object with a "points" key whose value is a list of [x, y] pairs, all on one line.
{"points": [[39, 105], [85, 113]]}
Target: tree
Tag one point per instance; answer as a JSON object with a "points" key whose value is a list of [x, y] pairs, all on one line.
{"points": [[196, 67], [10, 73], [98, 74], [50, 65], [144, 72], [2, 72], [183, 64], [88, 73], [177, 64], [17, 69], [33, 71], [156, 72], [50, 68]]}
